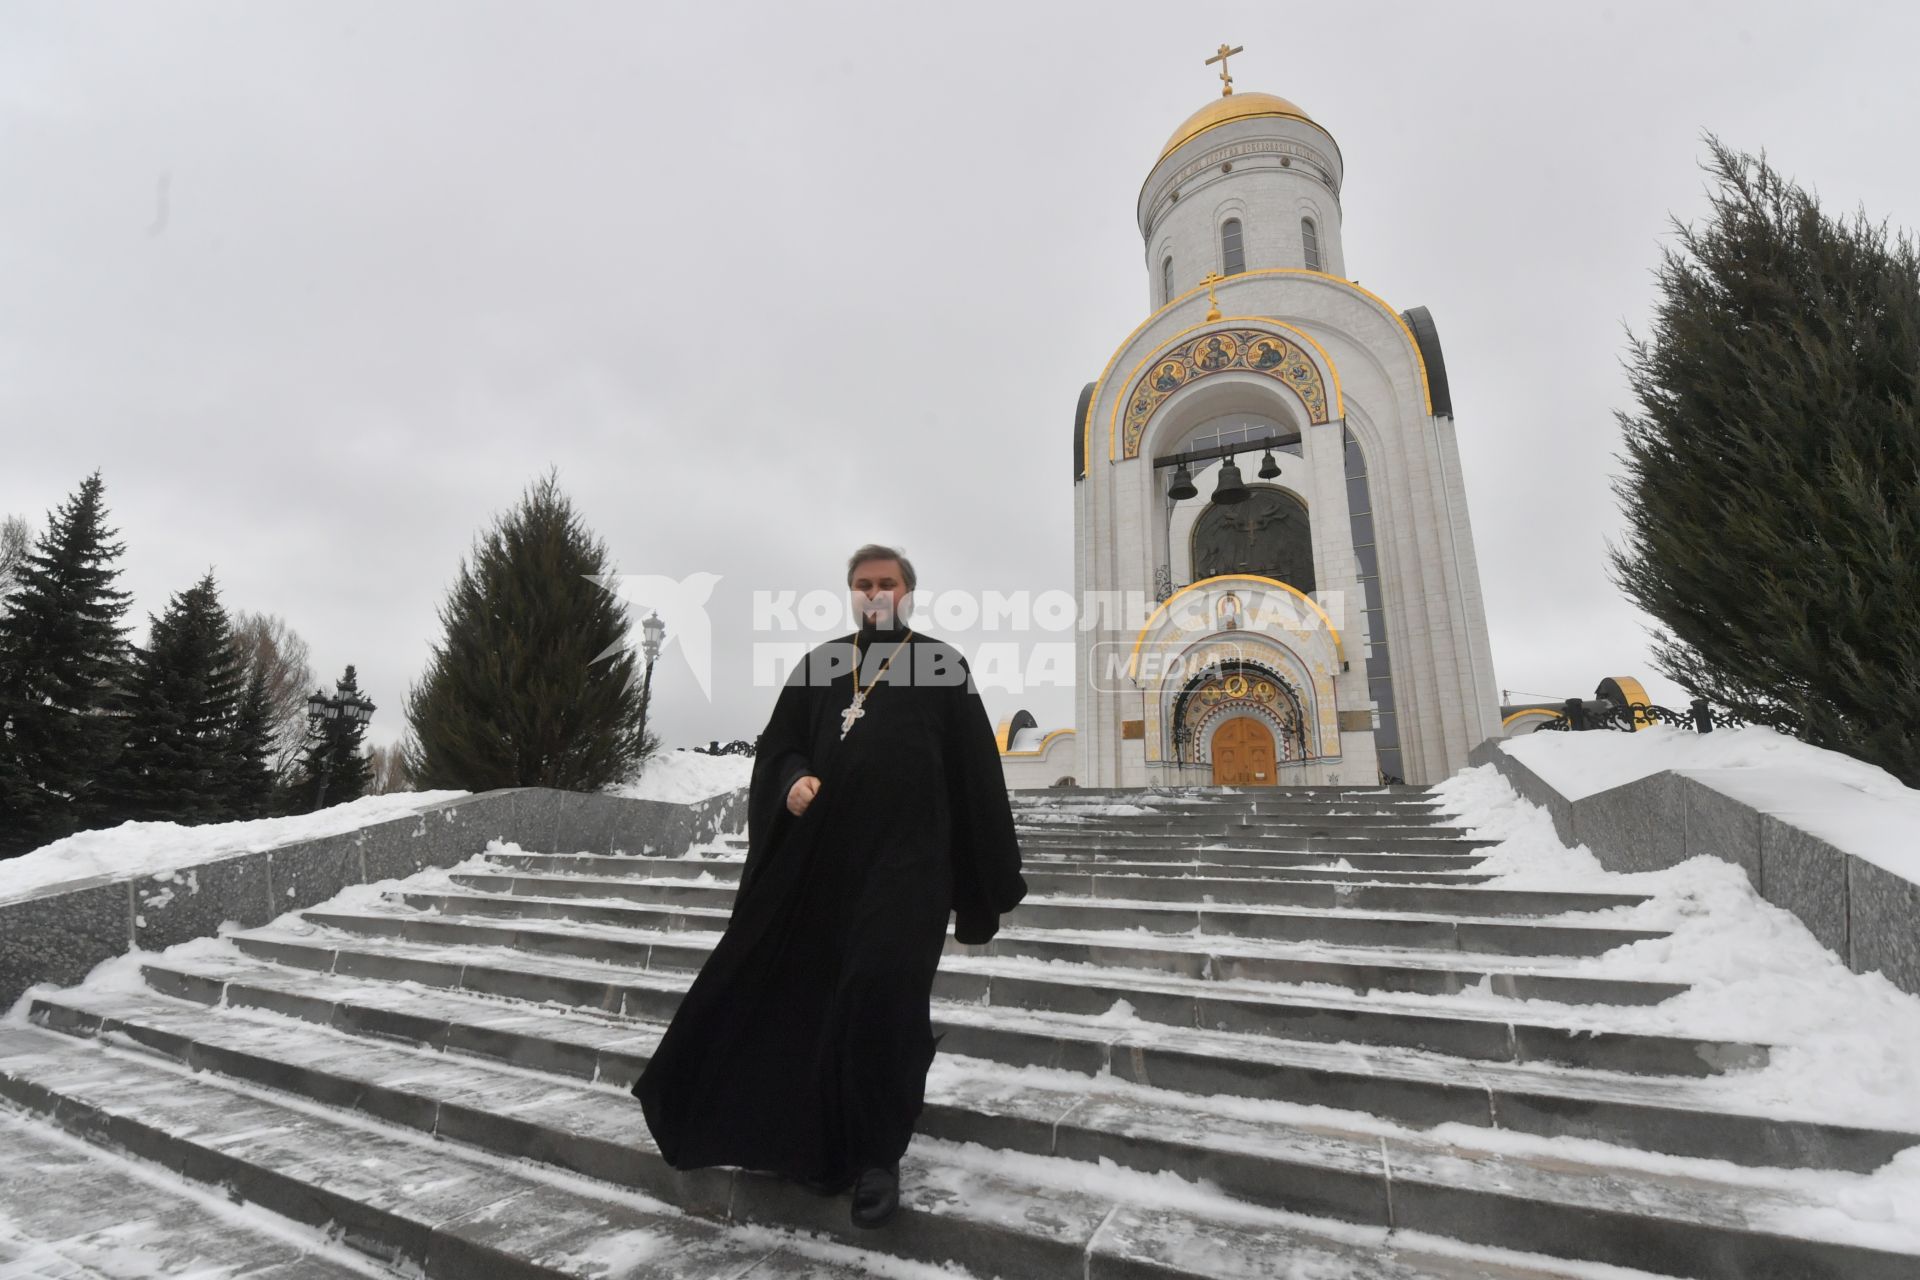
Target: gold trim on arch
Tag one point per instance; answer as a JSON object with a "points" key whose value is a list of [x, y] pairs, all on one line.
{"points": [[1044, 744], [1133, 659], [1531, 711], [1100, 384], [1130, 448]]}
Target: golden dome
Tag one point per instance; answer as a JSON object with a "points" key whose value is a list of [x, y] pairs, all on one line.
{"points": [[1235, 106]]}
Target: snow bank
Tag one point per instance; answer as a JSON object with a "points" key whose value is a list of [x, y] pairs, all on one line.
{"points": [[1856, 807], [1846, 1046], [145, 848], [684, 776]]}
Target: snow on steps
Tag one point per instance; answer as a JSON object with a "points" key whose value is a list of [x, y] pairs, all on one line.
{"points": [[1282, 1057]]}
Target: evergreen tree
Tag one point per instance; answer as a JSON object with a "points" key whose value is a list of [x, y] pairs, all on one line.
{"points": [[62, 659], [334, 769], [1772, 483], [249, 768], [532, 684], [182, 712]]}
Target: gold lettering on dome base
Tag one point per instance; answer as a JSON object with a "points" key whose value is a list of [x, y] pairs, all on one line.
{"points": [[1222, 351]]}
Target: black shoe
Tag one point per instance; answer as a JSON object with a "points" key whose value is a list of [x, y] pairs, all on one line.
{"points": [[876, 1194]]}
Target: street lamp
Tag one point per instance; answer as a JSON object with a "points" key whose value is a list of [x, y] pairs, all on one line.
{"points": [[322, 711], [653, 632]]}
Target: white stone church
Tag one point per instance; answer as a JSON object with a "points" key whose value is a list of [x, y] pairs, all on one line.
{"points": [[1267, 470]]}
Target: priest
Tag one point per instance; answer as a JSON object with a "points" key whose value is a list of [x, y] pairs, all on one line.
{"points": [[877, 808]]}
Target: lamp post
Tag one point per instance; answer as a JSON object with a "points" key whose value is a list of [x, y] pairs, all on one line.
{"points": [[653, 632], [322, 712]]}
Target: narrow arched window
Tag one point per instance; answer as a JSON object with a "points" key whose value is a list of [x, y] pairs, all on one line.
{"points": [[1310, 237], [1233, 250], [1166, 281]]}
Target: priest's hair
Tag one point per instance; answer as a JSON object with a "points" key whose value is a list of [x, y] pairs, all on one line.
{"points": [[874, 551]]}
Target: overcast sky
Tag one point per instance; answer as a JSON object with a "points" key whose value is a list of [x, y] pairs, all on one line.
{"points": [[322, 287]]}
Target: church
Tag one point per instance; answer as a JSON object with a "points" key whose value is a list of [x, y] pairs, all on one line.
{"points": [[1271, 531]]}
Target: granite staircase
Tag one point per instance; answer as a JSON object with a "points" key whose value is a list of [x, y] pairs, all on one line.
{"points": [[1220, 1040]]}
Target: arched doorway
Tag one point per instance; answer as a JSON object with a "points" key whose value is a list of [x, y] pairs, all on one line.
{"points": [[1243, 754]]}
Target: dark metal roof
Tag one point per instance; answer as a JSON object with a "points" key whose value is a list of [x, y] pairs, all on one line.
{"points": [[1080, 432]]}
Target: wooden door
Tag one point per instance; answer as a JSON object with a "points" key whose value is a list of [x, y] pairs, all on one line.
{"points": [[1243, 754]]}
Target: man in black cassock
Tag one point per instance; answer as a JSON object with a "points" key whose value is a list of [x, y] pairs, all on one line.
{"points": [[876, 808]]}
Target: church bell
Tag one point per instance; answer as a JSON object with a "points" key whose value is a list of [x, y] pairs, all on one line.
{"points": [[1268, 467], [1182, 486], [1231, 488]]}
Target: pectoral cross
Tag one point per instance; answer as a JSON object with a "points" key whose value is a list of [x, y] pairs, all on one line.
{"points": [[1226, 81], [853, 712]]}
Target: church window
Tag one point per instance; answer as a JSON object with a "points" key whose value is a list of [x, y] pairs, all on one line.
{"points": [[1166, 280], [1242, 428], [1233, 250], [1310, 237], [1386, 738]]}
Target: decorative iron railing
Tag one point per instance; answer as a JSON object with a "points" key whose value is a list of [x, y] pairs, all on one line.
{"points": [[1603, 713]]}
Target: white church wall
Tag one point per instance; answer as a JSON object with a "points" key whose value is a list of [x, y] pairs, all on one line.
{"points": [[1055, 759], [1243, 161]]}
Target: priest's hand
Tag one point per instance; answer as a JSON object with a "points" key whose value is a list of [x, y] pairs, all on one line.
{"points": [[801, 794]]}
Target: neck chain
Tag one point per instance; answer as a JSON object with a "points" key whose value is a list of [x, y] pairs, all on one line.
{"points": [[857, 707]]}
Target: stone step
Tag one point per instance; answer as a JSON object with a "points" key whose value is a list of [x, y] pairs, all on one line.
{"points": [[1052, 885], [1402, 970], [1330, 822], [402, 948], [1215, 795], [1398, 970], [1249, 840], [450, 1206], [1407, 1086], [1288, 866], [1347, 927], [1690, 1222], [1220, 858], [71, 1211]]}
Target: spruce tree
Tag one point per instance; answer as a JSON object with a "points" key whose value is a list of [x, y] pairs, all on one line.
{"points": [[249, 765], [1772, 482], [182, 711], [532, 684], [62, 659], [334, 769]]}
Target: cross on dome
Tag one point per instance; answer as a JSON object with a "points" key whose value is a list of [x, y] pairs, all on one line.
{"points": [[1226, 81]]}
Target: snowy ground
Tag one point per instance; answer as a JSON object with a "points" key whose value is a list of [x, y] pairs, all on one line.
{"points": [[1852, 805], [1845, 1043], [142, 848], [684, 776]]}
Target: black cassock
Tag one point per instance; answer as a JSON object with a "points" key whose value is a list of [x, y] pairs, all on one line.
{"points": [[803, 1045]]}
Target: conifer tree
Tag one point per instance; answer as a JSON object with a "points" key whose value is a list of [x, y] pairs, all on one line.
{"points": [[532, 684], [249, 769], [182, 711], [1772, 483], [62, 659], [334, 769]]}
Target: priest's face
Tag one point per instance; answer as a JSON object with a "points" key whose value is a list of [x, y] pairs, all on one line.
{"points": [[879, 592]]}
